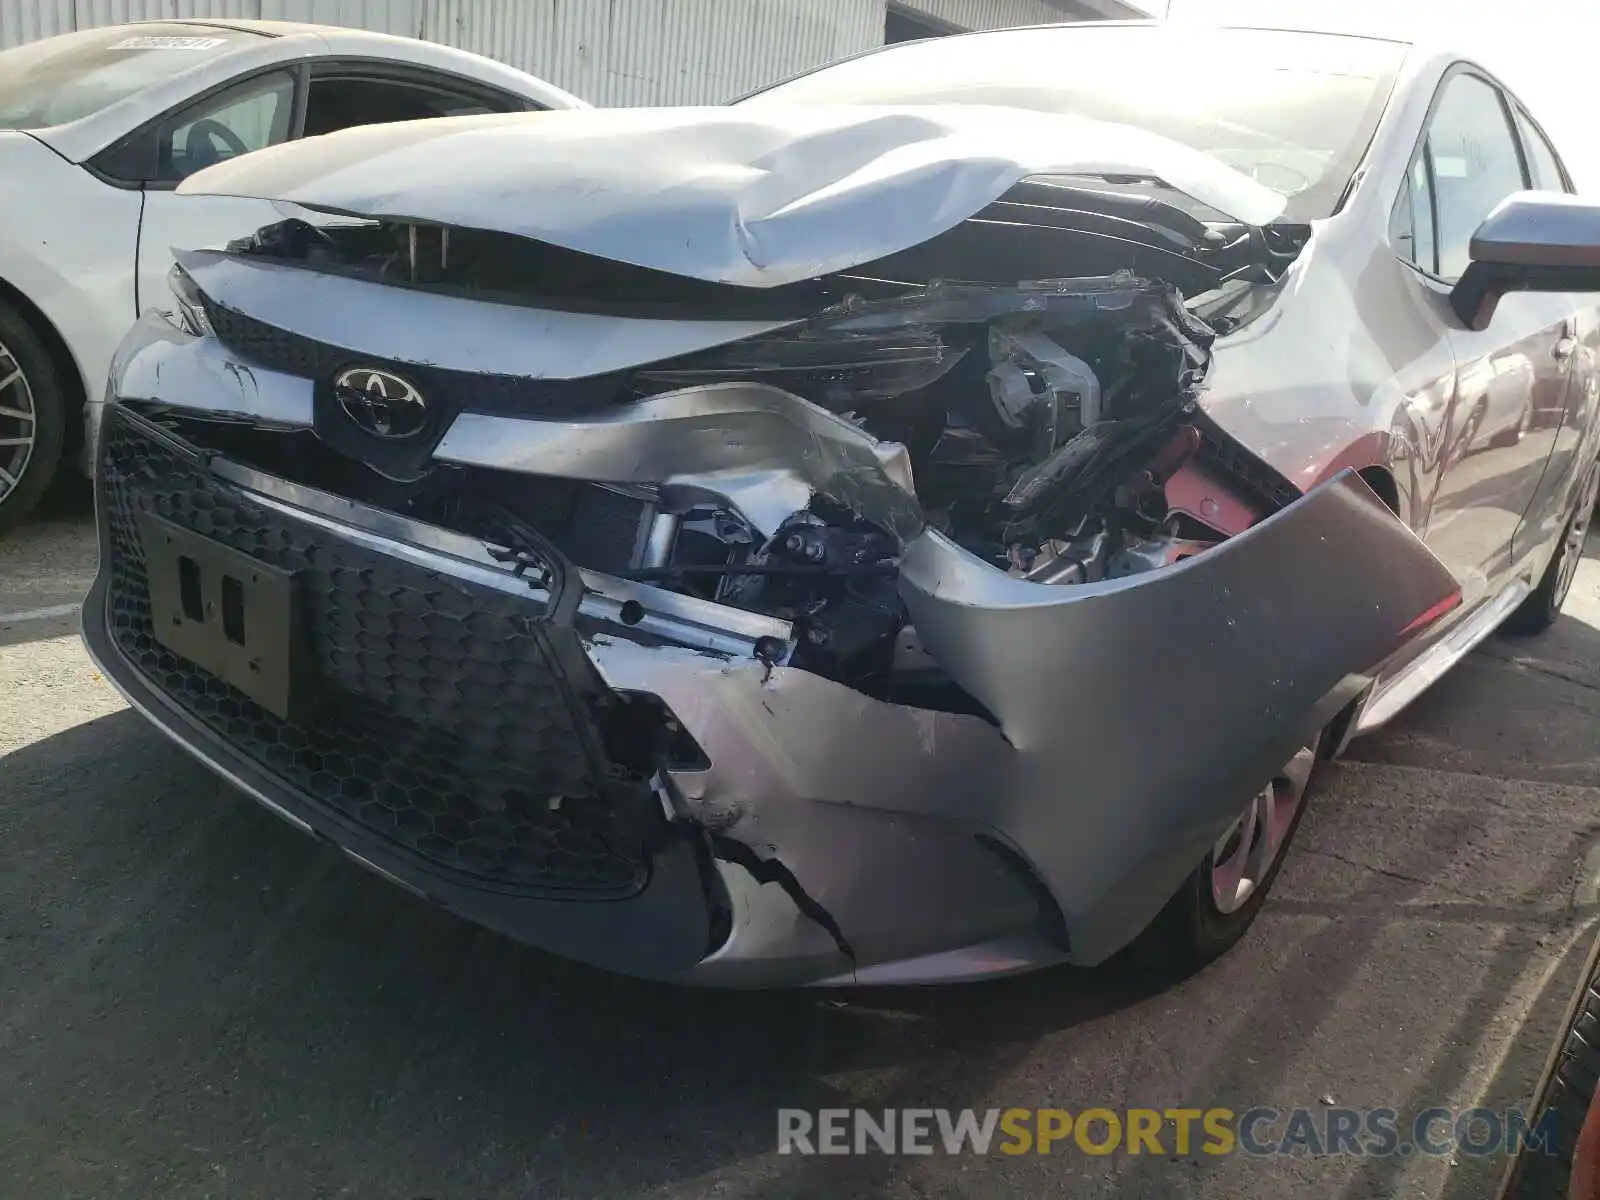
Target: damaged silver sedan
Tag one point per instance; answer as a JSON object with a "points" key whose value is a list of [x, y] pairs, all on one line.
{"points": [[924, 521]]}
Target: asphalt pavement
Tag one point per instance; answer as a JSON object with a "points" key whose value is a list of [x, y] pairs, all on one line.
{"points": [[198, 1001]]}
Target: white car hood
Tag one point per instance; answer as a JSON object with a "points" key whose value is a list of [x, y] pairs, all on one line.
{"points": [[752, 195]]}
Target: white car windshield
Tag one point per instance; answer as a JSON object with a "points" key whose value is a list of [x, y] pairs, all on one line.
{"points": [[1295, 111], [63, 79]]}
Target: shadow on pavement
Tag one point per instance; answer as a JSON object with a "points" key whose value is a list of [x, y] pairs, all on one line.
{"points": [[188, 982], [275, 996], [1517, 1075], [181, 969], [70, 497], [20, 633], [47, 563], [1522, 704]]}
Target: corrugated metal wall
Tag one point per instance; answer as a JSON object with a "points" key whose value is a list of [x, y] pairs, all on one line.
{"points": [[21, 21], [988, 14], [659, 51], [25, 20], [608, 51]]}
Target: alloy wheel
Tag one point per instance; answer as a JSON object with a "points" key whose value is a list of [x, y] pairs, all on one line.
{"points": [[1244, 855], [1577, 532], [18, 422]]}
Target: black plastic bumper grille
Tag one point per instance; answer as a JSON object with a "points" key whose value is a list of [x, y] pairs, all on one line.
{"points": [[450, 391], [453, 721]]}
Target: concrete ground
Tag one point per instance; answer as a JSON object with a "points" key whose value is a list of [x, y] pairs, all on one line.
{"points": [[197, 1001]]}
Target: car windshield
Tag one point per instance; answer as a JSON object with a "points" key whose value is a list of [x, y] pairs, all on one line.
{"points": [[1295, 111], [62, 79]]}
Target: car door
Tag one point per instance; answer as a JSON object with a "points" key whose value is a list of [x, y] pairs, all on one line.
{"points": [[1492, 454], [263, 111], [1558, 417], [246, 116]]}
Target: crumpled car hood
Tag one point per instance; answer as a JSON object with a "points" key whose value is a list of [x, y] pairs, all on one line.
{"points": [[749, 195]]}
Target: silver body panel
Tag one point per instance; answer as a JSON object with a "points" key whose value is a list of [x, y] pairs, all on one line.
{"points": [[887, 828], [449, 331], [759, 447], [747, 195]]}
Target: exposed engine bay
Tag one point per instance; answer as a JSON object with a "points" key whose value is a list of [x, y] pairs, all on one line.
{"points": [[1048, 427]]}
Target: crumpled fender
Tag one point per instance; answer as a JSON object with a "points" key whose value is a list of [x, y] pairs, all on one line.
{"points": [[1153, 706], [1136, 718]]}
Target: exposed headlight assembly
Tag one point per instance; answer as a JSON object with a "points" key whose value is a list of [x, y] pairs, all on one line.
{"points": [[864, 350]]}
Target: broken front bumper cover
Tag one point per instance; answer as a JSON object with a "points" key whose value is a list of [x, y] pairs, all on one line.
{"points": [[833, 838]]}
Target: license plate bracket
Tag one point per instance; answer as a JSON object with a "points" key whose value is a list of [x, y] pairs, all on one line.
{"points": [[232, 615]]}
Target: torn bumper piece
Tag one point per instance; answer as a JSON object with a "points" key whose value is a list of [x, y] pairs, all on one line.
{"points": [[824, 837]]}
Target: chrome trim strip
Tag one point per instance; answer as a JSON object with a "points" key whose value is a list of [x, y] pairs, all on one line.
{"points": [[689, 610], [1391, 696], [658, 544], [402, 884], [685, 620]]}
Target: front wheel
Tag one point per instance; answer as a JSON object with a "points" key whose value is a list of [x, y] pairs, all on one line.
{"points": [[1543, 605], [1218, 902], [32, 418]]}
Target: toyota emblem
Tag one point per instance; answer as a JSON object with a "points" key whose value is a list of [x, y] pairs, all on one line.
{"points": [[384, 405]]}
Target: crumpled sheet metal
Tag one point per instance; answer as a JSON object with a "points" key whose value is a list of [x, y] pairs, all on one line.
{"points": [[762, 448], [758, 195], [459, 333], [1135, 717], [873, 807], [157, 363], [1151, 707]]}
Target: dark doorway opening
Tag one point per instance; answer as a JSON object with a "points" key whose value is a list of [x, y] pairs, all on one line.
{"points": [[901, 25]]}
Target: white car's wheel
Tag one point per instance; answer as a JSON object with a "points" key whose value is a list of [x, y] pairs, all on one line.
{"points": [[31, 419]]}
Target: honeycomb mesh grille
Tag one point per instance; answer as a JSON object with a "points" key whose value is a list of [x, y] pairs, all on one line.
{"points": [[445, 725]]}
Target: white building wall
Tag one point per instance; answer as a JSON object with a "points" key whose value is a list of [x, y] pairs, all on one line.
{"points": [[607, 51]]}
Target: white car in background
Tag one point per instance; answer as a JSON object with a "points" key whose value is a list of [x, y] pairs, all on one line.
{"points": [[98, 128]]}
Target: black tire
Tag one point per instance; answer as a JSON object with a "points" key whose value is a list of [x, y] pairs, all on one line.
{"points": [[1191, 931], [21, 344], [1543, 605], [1565, 1093]]}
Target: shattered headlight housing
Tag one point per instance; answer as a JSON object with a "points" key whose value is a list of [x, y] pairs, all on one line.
{"points": [[1024, 405], [864, 350]]}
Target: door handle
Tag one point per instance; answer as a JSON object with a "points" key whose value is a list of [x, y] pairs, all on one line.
{"points": [[1564, 347]]}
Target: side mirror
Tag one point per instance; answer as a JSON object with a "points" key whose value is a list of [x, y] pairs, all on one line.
{"points": [[1531, 242]]}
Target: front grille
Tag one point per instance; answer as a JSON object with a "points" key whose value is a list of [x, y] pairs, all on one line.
{"points": [[451, 723], [1267, 490], [450, 391]]}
